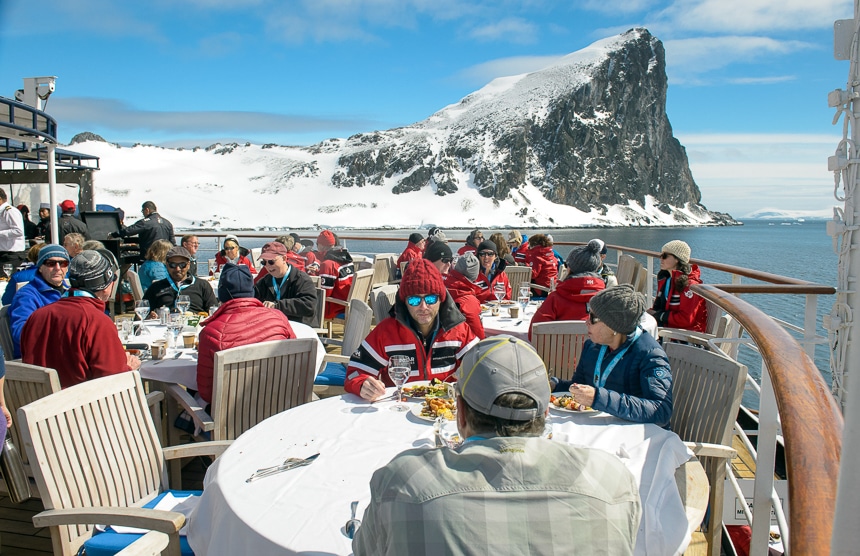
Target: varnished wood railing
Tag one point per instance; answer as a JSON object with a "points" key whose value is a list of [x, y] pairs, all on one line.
{"points": [[811, 424]]}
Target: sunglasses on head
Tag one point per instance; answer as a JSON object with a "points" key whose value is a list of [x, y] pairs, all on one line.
{"points": [[62, 263], [486, 254], [429, 299], [177, 265]]}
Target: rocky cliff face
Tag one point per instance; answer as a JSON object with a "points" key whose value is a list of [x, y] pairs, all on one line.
{"points": [[589, 132]]}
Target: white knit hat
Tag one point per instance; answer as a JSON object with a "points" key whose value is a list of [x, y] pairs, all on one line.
{"points": [[679, 249]]}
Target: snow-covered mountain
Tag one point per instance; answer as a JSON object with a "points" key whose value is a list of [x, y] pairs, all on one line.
{"points": [[585, 142], [780, 214]]}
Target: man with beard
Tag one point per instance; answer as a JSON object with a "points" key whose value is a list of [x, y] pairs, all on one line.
{"points": [[163, 293]]}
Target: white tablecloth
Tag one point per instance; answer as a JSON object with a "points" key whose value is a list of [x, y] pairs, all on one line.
{"points": [[519, 327], [303, 511], [184, 369]]}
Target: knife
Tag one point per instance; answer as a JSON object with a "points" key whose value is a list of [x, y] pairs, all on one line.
{"points": [[281, 468]]}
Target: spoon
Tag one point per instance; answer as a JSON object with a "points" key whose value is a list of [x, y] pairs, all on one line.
{"points": [[353, 523]]}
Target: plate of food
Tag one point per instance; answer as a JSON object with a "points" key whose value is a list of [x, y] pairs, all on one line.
{"points": [[507, 303], [562, 401], [424, 389], [435, 407], [485, 307]]}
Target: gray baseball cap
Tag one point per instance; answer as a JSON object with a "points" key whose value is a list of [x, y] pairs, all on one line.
{"points": [[503, 365]]}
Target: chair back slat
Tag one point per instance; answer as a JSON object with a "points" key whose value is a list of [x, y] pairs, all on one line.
{"points": [[357, 327], [6, 334], [382, 300], [134, 281], [361, 284], [24, 384], [383, 265], [559, 345], [518, 275], [256, 381], [627, 269], [96, 445]]}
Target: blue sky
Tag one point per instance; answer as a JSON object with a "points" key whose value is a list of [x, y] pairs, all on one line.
{"points": [[747, 95]]}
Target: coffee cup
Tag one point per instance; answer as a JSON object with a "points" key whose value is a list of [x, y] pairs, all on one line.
{"points": [[158, 349], [495, 312], [514, 311], [188, 339]]}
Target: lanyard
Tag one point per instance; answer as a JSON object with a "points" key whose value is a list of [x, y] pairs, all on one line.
{"points": [[600, 379], [78, 293], [278, 286], [666, 289], [180, 287]]}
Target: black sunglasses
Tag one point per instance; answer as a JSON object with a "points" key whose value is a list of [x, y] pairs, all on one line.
{"points": [[665, 255], [486, 254], [51, 263], [177, 265], [269, 262], [446, 260]]}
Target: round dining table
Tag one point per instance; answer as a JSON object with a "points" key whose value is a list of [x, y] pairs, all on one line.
{"points": [[304, 510]]}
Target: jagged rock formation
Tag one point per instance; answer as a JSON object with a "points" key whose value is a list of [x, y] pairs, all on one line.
{"points": [[86, 136]]}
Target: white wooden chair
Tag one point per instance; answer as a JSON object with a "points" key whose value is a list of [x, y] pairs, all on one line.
{"points": [[109, 464], [318, 322], [329, 382], [382, 300], [252, 383], [627, 270], [150, 544], [518, 275], [384, 269], [134, 281], [706, 392], [559, 345], [6, 334], [360, 289], [720, 331], [254, 255]]}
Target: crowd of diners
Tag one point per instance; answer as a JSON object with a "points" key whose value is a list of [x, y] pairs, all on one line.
{"points": [[59, 320]]}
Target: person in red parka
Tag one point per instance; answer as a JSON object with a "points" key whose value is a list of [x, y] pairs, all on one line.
{"points": [[491, 272], [239, 321], [233, 253], [415, 249], [675, 305], [570, 299], [472, 242], [543, 262], [460, 282], [426, 326]]}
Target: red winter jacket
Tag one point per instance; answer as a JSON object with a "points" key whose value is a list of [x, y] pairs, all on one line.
{"points": [[221, 260], [336, 274], [463, 291], [467, 248], [544, 265], [684, 308], [393, 336], [487, 288], [238, 322], [568, 301], [409, 254], [294, 260], [521, 253]]}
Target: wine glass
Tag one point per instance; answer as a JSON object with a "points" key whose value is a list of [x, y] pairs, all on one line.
{"points": [[183, 302], [174, 326], [523, 300], [7, 270], [499, 292], [141, 309], [399, 367]]}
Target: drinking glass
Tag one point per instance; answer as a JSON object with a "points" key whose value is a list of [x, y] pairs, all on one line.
{"points": [[7, 270], [448, 432], [175, 323], [524, 300], [141, 309], [183, 302], [399, 367], [499, 292]]}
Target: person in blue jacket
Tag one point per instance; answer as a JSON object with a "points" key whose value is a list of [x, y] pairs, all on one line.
{"points": [[47, 286], [23, 275], [622, 370]]}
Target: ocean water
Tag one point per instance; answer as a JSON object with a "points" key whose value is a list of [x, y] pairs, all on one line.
{"points": [[797, 249]]}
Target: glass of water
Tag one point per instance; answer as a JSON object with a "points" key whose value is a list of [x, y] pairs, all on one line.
{"points": [[399, 367]]}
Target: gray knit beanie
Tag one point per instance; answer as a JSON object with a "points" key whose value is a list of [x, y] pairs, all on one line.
{"points": [[584, 259], [619, 307], [468, 266]]}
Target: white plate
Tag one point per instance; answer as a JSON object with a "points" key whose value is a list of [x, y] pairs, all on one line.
{"points": [[416, 411], [564, 409], [417, 383]]}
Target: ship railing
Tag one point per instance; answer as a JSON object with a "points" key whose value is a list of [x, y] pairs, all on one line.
{"points": [[795, 407]]}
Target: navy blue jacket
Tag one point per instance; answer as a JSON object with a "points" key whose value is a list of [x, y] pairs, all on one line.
{"points": [[639, 389]]}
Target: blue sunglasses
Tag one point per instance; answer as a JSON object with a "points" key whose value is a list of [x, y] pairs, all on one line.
{"points": [[429, 299]]}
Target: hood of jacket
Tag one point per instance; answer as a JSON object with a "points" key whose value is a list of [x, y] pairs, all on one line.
{"points": [[581, 287], [338, 254], [459, 285]]}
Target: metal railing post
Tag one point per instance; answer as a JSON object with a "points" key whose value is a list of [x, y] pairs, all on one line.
{"points": [[765, 463]]}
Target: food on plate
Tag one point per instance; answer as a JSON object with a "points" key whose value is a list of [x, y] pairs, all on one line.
{"points": [[434, 389], [439, 407], [567, 402], [507, 302], [485, 307]]}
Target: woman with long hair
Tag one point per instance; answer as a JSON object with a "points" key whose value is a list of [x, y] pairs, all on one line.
{"points": [[543, 262], [154, 268], [675, 305], [503, 249]]}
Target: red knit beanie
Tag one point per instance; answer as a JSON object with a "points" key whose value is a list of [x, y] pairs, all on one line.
{"points": [[422, 278], [326, 238]]}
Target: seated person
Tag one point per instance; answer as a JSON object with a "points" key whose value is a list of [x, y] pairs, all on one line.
{"points": [[73, 243], [233, 253], [460, 282], [492, 272], [154, 267], [287, 289], [440, 255], [622, 370], [541, 258], [506, 490], [605, 272], [414, 250], [23, 275], [239, 321], [163, 293], [336, 274], [426, 326], [302, 250], [570, 300], [675, 305], [503, 250], [47, 286], [519, 245], [74, 335], [472, 242], [436, 234]]}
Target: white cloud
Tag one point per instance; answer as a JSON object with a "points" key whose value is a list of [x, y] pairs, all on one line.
{"points": [[618, 6], [752, 16], [512, 29], [761, 80]]}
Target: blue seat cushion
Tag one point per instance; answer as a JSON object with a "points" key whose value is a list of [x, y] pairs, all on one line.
{"points": [[334, 374], [109, 542]]}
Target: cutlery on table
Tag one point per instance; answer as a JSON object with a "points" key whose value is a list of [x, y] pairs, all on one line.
{"points": [[269, 471], [353, 523]]}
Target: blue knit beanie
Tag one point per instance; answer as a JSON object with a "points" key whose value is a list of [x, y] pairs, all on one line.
{"points": [[51, 251], [235, 282]]}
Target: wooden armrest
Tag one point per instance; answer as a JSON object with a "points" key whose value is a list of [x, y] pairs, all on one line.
{"points": [[201, 419], [685, 335], [331, 342], [213, 448], [703, 449], [335, 358], [153, 542], [340, 302], [154, 398], [143, 518], [538, 287]]}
